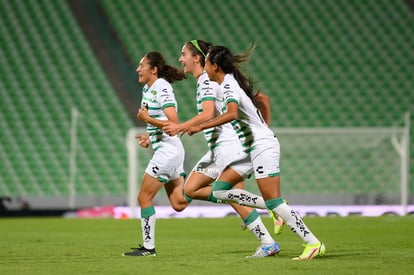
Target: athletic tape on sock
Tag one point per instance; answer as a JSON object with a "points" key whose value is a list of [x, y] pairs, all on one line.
{"points": [[147, 212], [273, 203], [221, 185], [212, 198], [251, 217]]}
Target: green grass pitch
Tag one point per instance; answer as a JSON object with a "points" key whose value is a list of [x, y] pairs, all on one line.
{"points": [[355, 245]]}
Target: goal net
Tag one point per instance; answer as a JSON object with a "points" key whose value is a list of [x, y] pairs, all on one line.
{"points": [[319, 166]]}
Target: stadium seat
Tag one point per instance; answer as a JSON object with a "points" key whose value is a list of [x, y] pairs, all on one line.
{"points": [[343, 63]]}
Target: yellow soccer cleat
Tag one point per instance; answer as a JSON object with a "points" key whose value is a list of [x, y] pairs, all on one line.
{"points": [[278, 222], [311, 251]]}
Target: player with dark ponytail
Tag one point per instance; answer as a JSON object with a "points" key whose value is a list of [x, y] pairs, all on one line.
{"points": [[258, 140], [223, 145]]}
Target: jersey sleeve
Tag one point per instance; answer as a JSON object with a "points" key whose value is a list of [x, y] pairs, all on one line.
{"points": [[166, 97], [206, 90], [229, 93]]}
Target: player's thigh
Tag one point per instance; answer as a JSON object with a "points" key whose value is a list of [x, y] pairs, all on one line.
{"points": [[231, 176], [196, 181]]}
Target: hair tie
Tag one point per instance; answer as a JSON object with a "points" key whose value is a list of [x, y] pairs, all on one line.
{"points": [[197, 46]]}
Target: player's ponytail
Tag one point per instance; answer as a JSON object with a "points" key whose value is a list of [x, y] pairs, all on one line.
{"points": [[168, 72], [171, 73], [230, 64]]}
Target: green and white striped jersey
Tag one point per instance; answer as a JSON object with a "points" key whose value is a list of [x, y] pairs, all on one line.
{"points": [[210, 90], [250, 126], [156, 98]]}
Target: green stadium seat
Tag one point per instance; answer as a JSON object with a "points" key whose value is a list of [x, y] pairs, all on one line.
{"points": [[344, 63]]}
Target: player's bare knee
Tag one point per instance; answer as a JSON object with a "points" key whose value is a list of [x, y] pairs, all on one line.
{"points": [[143, 198]]}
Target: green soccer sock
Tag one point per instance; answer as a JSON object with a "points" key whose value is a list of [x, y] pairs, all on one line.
{"points": [[292, 219], [255, 225]]}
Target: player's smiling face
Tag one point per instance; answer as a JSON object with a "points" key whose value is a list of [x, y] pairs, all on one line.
{"points": [[211, 69], [187, 60], [144, 71]]}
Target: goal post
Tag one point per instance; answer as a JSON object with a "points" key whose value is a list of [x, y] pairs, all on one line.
{"points": [[134, 165], [319, 166]]}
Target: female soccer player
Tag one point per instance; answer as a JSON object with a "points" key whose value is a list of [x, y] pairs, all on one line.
{"points": [[258, 140], [222, 142], [165, 169]]}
